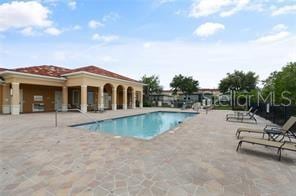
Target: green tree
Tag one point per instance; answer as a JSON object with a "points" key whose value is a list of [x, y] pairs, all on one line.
{"points": [[239, 81], [186, 85], [152, 86], [282, 83]]}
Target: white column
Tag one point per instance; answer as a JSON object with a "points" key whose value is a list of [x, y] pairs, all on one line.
{"points": [[101, 98], [114, 99], [141, 99], [65, 99], [83, 105], [15, 99], [6, 99], [124, 99], [134, 99]]}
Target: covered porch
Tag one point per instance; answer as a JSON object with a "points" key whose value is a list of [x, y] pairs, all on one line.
{"points": [[26, 93], [21, 94], [106, 97]]}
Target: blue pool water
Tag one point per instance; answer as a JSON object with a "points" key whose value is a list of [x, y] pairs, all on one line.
{"points": [[144, 126]]}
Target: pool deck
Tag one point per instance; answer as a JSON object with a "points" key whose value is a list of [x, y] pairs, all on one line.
{"points": [[196, 158]]}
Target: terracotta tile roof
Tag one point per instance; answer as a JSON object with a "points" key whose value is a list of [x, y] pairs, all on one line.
{"points": [[209, 89], [55, 71], [200, 89], [100, 71], [45, 70]]}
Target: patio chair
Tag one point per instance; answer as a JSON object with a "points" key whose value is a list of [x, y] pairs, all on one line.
{"points": [[99, 109], [268, 143], [92, 107], [245, 113], [242, 117], [272, 131], [95, 108], [288, 146]]}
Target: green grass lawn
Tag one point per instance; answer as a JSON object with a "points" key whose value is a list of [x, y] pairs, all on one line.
{"points": [[227, 107]]}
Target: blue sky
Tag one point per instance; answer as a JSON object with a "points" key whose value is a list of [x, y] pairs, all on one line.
{"points": [[201, 38]]}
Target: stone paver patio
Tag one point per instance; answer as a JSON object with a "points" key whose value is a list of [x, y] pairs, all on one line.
{"points": [[197, 158]]}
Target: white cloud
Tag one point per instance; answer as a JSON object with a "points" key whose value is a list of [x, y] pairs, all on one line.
{"points": [[288, 9], [165, 1], [69, 29], [72, 4], [105, 38], [273, 37], [278, 33], [208, 29], [19, 14], [279, 27], [93, 24], [258, 7], [112, 16], [50, 2], [53, 31], [224, 7], [28, 31], [206, 7], [166, 58], [147, 45], [240, 4]]}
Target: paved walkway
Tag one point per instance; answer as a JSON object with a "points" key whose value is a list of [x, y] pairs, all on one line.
{"points": [[198, 158]]}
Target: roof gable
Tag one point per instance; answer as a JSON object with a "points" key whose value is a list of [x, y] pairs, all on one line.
{"points": [[100, 71], [45, 70], [55, 71]]}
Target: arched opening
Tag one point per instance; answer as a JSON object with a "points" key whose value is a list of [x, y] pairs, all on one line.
{"points": [[108, 96], [119, 96], [130, 97]]}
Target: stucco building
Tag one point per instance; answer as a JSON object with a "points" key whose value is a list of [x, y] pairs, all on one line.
{"points": [[48, 88], [167, 97]]}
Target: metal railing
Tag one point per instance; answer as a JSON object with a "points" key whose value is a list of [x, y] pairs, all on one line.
{"points": [[277, 114], [78, 110]]}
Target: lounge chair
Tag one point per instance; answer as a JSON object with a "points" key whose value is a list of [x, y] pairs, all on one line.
{"points": [[242, 117], [288, 146], [268, 143], [272, 131], [236, 113]]}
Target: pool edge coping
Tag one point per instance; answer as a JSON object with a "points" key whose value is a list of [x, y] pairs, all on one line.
{"points": [[131, 137], [108, 119]]}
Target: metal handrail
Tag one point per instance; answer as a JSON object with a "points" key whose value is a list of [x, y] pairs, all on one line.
{"points": [[74, 109]]}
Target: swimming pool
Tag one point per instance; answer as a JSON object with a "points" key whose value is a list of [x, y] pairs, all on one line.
{"points": [[143, 126]]}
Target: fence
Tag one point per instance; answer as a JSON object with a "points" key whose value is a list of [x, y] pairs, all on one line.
{"points": [[276, 114]]}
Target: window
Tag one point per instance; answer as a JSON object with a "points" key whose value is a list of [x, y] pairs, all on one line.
{"points": [[90, 98], [76, 98]]}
